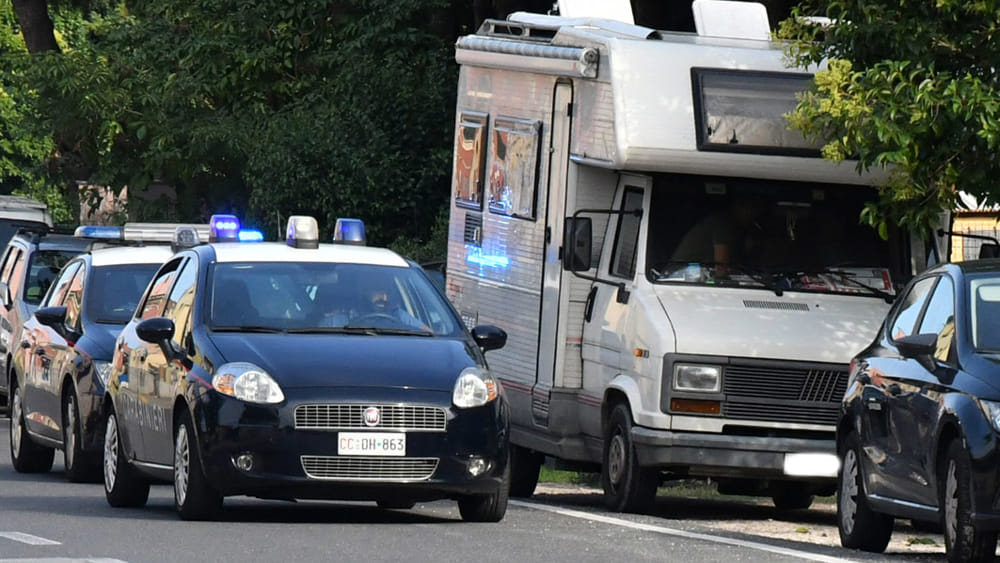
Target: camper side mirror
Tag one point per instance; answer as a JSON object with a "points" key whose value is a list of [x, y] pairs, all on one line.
{"points": [[989, 250], [577, 244]]}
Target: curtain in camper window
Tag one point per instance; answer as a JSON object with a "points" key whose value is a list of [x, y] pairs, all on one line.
{"points": [[514, 167], [470, 152]]}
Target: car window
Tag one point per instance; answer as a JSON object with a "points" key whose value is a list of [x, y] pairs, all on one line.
{"points": [[8, 263], [42, 271], [16, 281], [57, 293], [985, 315], [909, 308], [114, 291], [939, 318], [74, 299], [156, 299], [305, 296], [181, 299]]}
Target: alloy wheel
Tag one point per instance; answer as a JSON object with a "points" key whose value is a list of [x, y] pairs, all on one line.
{"points": [[951, 501], [182, 464], [848, 496], [69, 432], [15, 424], [111, 453]]}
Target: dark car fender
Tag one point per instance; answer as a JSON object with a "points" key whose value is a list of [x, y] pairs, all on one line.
{"points": [[963, 418]]}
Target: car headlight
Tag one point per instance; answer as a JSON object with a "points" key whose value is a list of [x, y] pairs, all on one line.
{"points": [[475, 387], [992, 411], [247, 382], [697, 377], [103, 371]]}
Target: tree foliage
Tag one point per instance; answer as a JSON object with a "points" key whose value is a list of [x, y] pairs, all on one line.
{"points": [[911, 86]]}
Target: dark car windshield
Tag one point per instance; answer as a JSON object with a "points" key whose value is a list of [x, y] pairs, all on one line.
{"points": [[44, 269], [113, 292], [327, 297]]}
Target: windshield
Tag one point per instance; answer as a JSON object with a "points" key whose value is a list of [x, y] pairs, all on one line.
{"points": [[779, 236], [327, 297], [113, 292], [985, 313], [44, 269]]}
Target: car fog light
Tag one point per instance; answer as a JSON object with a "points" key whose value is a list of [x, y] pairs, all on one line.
{"points": [[244, 462], [478, 466]]}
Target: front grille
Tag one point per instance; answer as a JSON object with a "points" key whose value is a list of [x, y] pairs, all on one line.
{"points": [[396, 470], [775, 393], [391, 417]]}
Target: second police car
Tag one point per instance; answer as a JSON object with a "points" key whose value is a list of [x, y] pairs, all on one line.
{"points": [[62, 356], [303, 371]]}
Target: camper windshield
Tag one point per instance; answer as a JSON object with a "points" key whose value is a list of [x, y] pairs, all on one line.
{"points": [[765, 234]]}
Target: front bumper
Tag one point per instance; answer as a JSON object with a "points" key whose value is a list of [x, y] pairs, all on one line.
{"points": [[742, 456], [435, 464]]}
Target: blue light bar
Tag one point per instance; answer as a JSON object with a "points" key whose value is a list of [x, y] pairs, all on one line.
{"points": [[224, 228], [250, 235], [349, 231], [98, 231]]}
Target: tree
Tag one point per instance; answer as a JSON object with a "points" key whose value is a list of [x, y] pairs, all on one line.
{"points": [[36, 25], [912, 86]]}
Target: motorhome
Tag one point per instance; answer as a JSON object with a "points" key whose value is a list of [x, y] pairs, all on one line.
{"points": [[683, 278]]}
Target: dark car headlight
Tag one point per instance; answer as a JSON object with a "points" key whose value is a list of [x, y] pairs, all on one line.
{"points": [[247, 382], [992, 411], [475, 387], [103, 371]]}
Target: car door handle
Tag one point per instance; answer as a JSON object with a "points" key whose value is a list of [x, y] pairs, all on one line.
{"points": [[40, 352], [25, 344], [588, 308], [894, 389], [140, 355]]}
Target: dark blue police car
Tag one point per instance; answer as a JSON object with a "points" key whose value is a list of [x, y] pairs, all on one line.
{"points": [[303, 371]]}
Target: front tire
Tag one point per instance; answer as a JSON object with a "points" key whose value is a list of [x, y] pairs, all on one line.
{"points": [[860, 527], [25, 455], [123, 486], [81, 466], [194, 497], [487, 508], [627, 486], [524, 467], [963, 542]]}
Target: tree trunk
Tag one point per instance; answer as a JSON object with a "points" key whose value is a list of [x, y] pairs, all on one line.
{"points": [[36, 26]]}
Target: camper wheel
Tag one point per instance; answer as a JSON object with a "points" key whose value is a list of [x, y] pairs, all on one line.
{"points": [[627, 486], [524, 467]]}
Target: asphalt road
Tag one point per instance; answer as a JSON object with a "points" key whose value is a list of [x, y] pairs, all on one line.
{"points": [[43, 518]]}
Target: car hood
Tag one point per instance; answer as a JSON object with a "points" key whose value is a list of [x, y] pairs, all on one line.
{"points": [[325, 360], [809, 327]]}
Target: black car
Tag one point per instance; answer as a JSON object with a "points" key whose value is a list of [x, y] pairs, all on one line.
{"points": [[304, 371], [63, 359], [30, 264], [919, 433]]}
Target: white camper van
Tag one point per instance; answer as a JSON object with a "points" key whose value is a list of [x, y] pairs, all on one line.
{"points": [[682, 278]]}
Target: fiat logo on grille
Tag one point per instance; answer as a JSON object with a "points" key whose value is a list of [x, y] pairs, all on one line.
{"points": [[372, 416]]}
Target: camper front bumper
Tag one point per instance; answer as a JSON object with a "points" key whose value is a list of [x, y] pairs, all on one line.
{"points": [[739, 455]]}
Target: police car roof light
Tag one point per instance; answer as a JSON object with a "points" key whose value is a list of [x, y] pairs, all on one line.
{"points": [[224, 228], [250, 235], [98, 232], [185, 236], [302, 232], [160, 232], [349, 231]]}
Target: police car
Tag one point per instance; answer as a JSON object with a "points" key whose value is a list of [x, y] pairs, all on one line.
{"points": [[62, 357], [301, 370]]}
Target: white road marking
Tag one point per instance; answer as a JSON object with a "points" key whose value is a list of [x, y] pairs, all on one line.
{"points": [[63, 560], [681, 533], [27, 538]]}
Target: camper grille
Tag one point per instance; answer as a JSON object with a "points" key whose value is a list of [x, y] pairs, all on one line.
{"points": [[777, 305], [473, 229], [775, 393]]}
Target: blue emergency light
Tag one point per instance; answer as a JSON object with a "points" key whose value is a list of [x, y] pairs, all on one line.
{"points": [[224, 228], [250, 235], [98, 231], [349, 231]]}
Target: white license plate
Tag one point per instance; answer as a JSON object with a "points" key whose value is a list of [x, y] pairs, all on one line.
{"points": [[371, 443]]}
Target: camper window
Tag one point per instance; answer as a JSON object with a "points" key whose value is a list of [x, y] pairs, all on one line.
{"points": [[470, 152], [513, 167]]}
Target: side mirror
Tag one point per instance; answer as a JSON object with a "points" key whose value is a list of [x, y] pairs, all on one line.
{"points": [[52, 317], [917, 346], [577, 236], [157, 330], [989, 250], [489, 337]]}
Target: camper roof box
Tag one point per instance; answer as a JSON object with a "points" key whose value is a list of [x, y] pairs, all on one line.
{"points": [[19, 212]]}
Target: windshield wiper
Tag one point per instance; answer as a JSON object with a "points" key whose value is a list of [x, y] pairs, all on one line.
{"points": [[249, 328], [333, 330], [402, 331], [763, 278], [848, 277]]}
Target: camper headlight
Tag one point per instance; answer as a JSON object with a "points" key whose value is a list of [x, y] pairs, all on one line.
{"points": [[697, 377], [475, 387], [247, 382]]}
